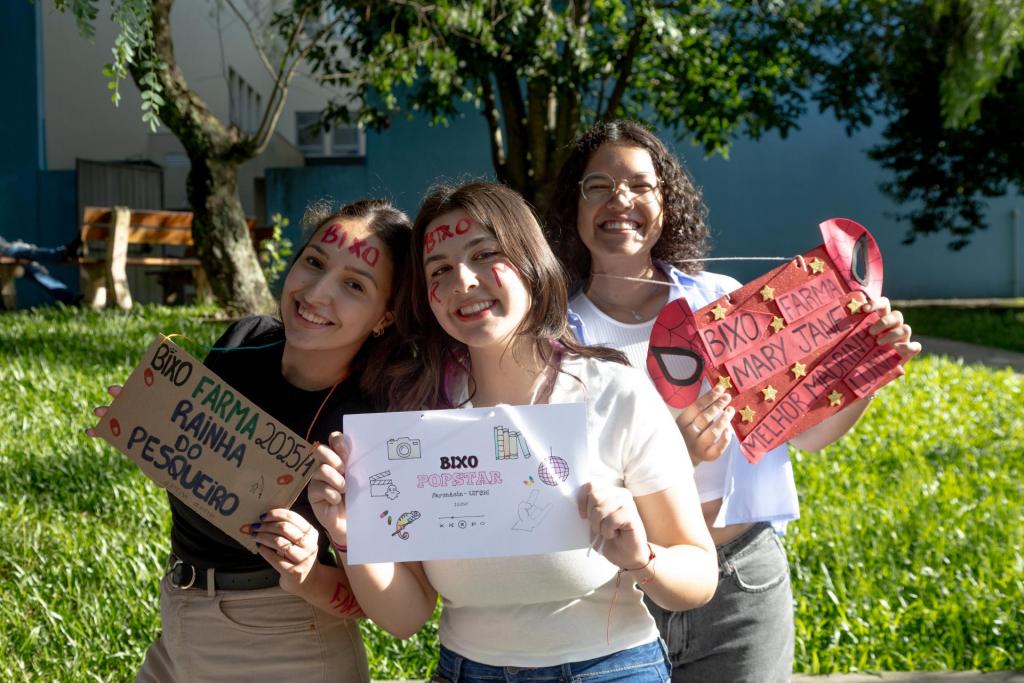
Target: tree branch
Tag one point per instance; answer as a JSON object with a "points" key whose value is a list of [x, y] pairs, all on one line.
{"points": [[255, 41], [493, 117], [515, 119], [625, 70]]}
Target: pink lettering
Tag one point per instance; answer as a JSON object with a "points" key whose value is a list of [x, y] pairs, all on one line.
{"points": [[331, 235], [371, 256], [463, 226], [357, 247]]}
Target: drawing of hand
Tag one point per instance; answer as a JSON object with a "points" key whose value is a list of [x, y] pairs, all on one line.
{"points": [[530, 514]]}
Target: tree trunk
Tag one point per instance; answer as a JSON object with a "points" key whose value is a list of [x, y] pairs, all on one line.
{"points": [[218, 226], [222, 238]]}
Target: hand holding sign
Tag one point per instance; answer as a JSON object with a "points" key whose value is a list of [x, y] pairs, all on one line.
{"points": [[327, 487], [213, 449], [792, 348], [289, 543], [615, 520], [705, 425]]}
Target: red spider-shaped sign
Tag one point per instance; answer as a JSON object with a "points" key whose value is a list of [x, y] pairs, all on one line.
{"points": [[791, 347]]}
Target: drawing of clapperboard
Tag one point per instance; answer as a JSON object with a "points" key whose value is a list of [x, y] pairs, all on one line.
{"points": [[381, 486], [508, 445]]}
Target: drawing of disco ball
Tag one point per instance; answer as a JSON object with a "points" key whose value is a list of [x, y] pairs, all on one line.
{"points": [[553, 471]]}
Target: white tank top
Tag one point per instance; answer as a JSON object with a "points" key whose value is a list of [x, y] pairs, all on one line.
{"points": [[633, 339]]}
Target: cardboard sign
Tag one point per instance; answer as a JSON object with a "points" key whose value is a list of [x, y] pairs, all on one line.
{"points": [[458, 484], [212, 448], [791, 347]]}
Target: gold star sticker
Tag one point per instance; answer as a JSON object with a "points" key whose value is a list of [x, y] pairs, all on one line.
{"points": [[778, 323], [855, 305], [817, 265], [767, 293], [719, 311], [748, 414], [799, 370], [724, 382], [835, 398], [769, 392]]}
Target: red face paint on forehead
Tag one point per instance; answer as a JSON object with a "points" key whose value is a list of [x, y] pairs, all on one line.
{"points": [[445, 232], [337, 235]]}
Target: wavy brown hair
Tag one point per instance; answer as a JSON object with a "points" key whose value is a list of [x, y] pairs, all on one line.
{"points": [[422, 382], [394, 229], [685, 233]]}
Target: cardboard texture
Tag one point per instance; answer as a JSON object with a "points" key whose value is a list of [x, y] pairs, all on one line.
{"points": [[791, 347], [212, 448]]}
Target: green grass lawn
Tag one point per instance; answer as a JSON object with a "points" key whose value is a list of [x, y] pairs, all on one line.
{"points": [[999, 327], [908, 554]]}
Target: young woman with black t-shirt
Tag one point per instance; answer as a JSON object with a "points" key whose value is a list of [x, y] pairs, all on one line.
{"points": [[287, 613]]}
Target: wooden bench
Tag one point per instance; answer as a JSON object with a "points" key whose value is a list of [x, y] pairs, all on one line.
{"points": [[107, 235]]}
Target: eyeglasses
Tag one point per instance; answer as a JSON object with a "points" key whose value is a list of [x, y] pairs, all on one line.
{"points": [[601, 187]]}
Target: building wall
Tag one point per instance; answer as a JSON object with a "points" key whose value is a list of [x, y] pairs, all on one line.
{"points": [[765, 200], [82, 122]]}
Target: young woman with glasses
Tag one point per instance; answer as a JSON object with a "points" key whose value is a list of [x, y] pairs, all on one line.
{"points": [[629, 226]]}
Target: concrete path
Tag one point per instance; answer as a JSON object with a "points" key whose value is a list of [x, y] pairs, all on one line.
{"points": [[918, 677], [973, 353], [899, 677]]}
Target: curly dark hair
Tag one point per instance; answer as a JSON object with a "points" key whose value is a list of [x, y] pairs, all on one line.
{"points": [[685, 233]]}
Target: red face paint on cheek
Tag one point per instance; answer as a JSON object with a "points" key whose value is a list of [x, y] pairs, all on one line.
{"points": [[433, 292], [497, 270]]}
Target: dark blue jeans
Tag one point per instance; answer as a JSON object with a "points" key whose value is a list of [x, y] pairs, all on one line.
{"points": [[643, 664]]}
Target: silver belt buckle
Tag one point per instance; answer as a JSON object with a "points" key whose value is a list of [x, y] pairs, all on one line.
{"points": [[175, 576]]}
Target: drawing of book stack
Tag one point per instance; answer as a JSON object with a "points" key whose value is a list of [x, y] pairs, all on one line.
{"points": [[508, 445]]}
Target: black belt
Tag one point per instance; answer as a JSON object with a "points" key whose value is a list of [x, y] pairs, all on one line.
{"points": [[185, 575]]}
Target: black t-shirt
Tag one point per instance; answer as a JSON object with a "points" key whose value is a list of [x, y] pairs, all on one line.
{"points": [[256, 373]]}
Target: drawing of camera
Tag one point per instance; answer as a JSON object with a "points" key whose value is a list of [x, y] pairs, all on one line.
{"points": [[403, 448]]}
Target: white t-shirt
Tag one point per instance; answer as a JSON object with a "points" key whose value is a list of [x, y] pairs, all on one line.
{"points": [[765, 492], [633, 339], [543, 610]]}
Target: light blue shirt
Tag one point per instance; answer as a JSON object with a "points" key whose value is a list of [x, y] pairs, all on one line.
{"points": [[765, 492]]}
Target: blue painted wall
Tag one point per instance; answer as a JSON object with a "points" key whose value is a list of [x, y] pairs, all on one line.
{"points": [[765, 200], [400, 165], [32, 200]]}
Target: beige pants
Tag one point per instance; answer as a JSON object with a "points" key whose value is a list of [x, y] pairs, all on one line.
{"points": [[249, 637]]}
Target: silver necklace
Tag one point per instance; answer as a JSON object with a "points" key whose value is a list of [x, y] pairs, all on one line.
{"points": [[608, 304]]}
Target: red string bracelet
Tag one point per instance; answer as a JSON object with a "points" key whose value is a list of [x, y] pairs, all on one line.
{"points": [[615, 593]]}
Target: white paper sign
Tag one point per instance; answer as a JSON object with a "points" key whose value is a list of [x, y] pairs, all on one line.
{"points": [[465, 483]]}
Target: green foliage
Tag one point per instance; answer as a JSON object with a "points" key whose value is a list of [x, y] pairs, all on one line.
{"points": [[907, 555], [1002, 328], [541, 72], [134, 40], [942, 76], [276, 251], [986, 48]]}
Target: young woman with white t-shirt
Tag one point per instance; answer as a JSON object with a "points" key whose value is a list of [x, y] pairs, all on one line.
{"points": [[629, 226], [488, 307]]}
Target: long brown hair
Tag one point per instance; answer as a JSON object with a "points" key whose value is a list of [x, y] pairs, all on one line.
{"points": [[685, 233], [392, 227], [506, 215]]}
